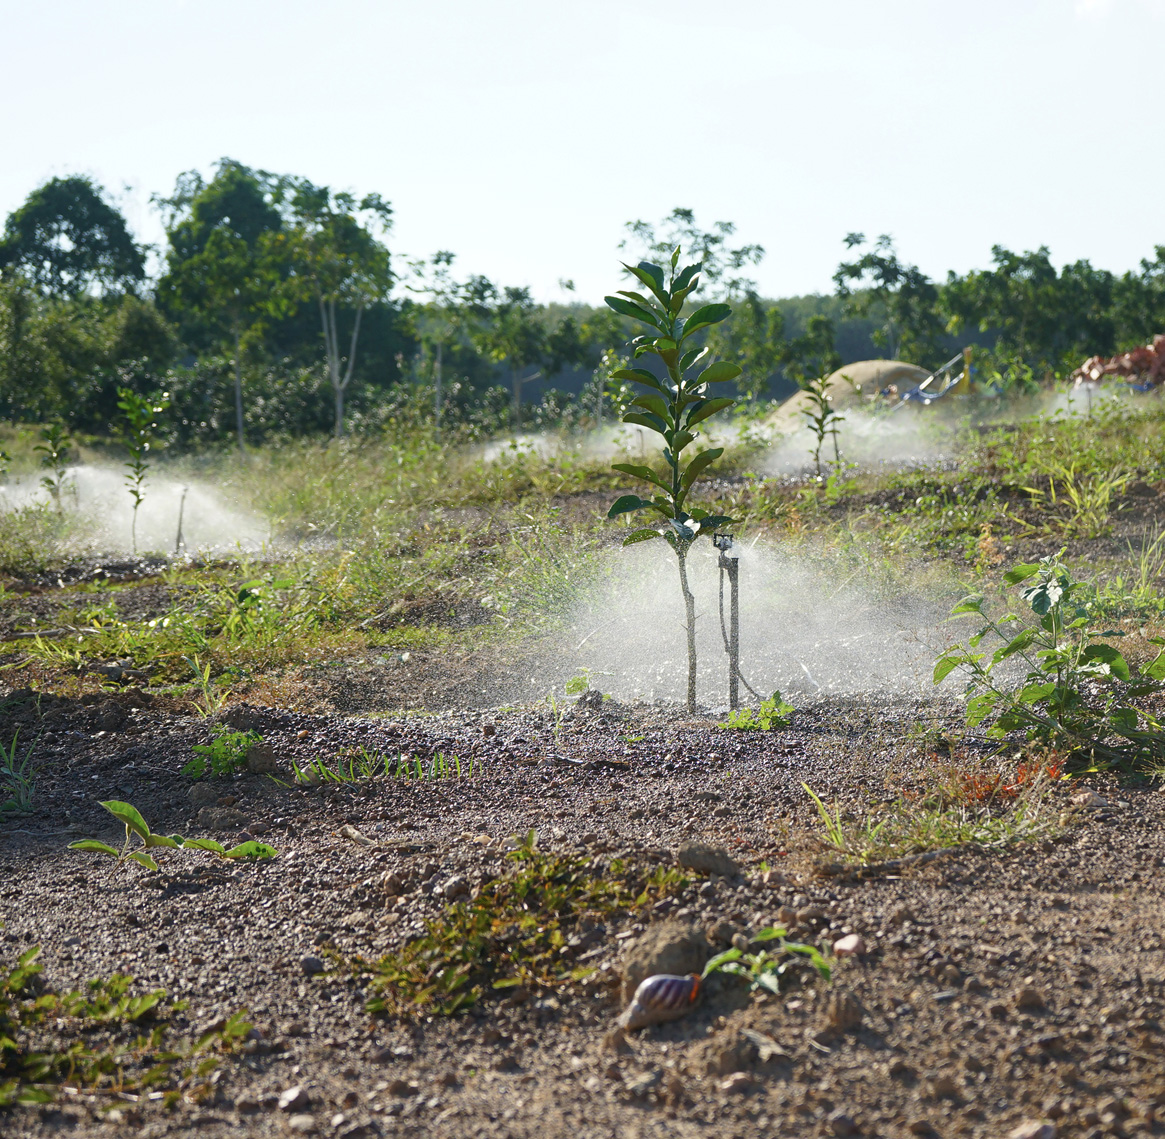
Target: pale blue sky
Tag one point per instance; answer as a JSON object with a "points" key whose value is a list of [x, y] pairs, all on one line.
{"points": [[522, 134]]}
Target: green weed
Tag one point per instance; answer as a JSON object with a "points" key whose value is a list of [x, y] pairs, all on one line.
{"points": [[766, 968], [225, 755], [773, 713], [16, 779], [358, 764]]}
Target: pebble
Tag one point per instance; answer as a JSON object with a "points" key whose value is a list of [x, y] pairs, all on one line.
{"points": [[1029, 999], [294, 1099], [706, 859], [1089, 801], [456, 887], [1033, 1129], [851, 945], [303, 1124], [312, 965], [737, 1082], [400, 1087], [843, 1012], [642, 1084]]}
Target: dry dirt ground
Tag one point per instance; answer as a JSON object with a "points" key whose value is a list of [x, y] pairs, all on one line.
{"points": [[998, 988]]}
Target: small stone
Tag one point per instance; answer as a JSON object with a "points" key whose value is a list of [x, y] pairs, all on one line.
{"points": [[900, 915], [261, 759], [339, 1119], [741, 941], [294, 1099], [806, 914], [722, 931], [448, 1079], [488, 729], [642, 1084], [247, 1105], [737, 1082], [843, 1013], [1029, 999], [302, 1124], [1032, 1129], [456, 887], [851, 945], [312, 965], [787, 916], [706, 859], [400, 1087], [1089, 801], [221, 819], [203, 795], [842, 1125]]}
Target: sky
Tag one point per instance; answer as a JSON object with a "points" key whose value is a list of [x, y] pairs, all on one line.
{"points": [[522, 135]]}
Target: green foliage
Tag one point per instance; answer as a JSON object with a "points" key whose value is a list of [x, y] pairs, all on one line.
{"points": [[16, 779], [358, 764], [137, 431], [1077, 691], [55, 451], [103, 1046], [772, 713], [225, 755], [514, 931], [765, 968], [137, 827], [67, 241]]}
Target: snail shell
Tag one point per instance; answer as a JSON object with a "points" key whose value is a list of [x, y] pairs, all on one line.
{"points": [[664, 996]]}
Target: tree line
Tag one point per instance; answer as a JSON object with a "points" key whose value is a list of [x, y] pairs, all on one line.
{"points": [[278, 309]]}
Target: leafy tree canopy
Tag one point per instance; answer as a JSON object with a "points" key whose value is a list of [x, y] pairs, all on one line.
{"points": [[67, 240]]}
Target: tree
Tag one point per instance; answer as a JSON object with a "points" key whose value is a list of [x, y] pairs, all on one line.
{"points": [[514, 335], [438, 318], [721, 264], [907, 297], [227, 260], [339, 263], [1138, 308], [67, 240]]}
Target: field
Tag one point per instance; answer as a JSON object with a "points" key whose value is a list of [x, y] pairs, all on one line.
{"points": [[432, 715]]}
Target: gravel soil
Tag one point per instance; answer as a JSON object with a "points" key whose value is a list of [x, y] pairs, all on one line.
{"points": [[997, 988]]}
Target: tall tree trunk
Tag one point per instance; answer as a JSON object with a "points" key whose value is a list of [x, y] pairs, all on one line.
{"points": [[690, 618], [239, 392], [437, 390], [332, 355], [516, 409]]}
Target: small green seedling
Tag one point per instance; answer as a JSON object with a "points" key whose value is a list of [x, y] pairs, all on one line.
{"points": [[138, 411], [16, 783], [224, 755], [54, 449], [766, 968], [773, 713], [137, 827]]}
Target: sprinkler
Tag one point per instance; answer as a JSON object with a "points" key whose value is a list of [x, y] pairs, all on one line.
{"points": [[729, 562], [178, 542]]}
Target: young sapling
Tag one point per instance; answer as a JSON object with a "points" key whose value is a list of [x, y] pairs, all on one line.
{"points": [[137, 430]]}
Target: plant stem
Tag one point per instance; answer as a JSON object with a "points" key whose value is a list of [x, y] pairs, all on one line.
{"points": [[690, 617]]}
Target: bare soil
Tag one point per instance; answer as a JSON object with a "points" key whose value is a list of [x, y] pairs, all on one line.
{"points": [[998, 987]]}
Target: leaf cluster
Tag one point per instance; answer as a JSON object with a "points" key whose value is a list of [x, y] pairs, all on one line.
{"points": [[226, 754], [35, 1061], [673, 406], [516, 930], [1077, 690], [137, 827], [772, 713], [766, 968]]}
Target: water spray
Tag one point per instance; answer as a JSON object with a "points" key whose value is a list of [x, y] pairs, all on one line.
{"points": [[181, 509]]}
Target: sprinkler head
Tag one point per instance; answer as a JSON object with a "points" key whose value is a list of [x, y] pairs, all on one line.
{"points": [[722, 542]]}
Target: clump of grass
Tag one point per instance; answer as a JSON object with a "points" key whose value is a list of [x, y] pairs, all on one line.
{"points": [[17, 784], [514, 931], [355, 765], [104, 1039]]}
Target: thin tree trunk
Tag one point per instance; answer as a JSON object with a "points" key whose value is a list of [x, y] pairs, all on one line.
{"points": [[690, 616], [516, 410], [239, 393], [437, 391]]}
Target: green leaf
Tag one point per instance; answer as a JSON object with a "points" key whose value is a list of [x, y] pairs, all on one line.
{"points": [[703, 460], [712, 522], [636, 312], [641, 472], [973, 604], [161, 840], [252, 849], [1021, 573], [205, 844], [719, 373], [622, 505], [1155, 669], [944, 666], [93, 844], [720, 960], [140, 856], [1016, 645], [708, 407], [1034, 693], [769, 933], [128, 814], [684, 278], [644, 419], [768, 980], [680, 439], [1107, 655], [979, 708], [704, 317], [644, 535], [655, 404], [652, 277], [639, 376]]}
